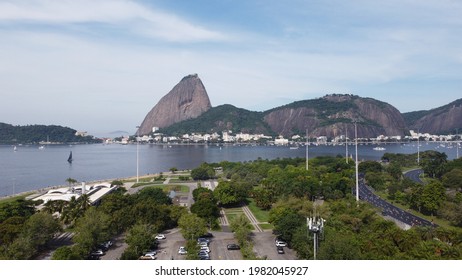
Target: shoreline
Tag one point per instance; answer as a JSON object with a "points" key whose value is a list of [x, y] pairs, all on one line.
{"points": [[35, 193]]}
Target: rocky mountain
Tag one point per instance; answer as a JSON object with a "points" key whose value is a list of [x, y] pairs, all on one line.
{"points": [[334, 115], [187, 100], [442, 120], [331, 115], [186, 109]]}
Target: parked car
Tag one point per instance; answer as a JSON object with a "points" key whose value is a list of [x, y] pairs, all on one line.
{"points": [[98, 252], [233, 247], [160, 236], [205, 249], [203, 244], [105, 245], [203, 240], [206, 235], [203, 254], [280, 250], [204, 257], [281, 244], [153, 253], [148, 257], [182, 251]]}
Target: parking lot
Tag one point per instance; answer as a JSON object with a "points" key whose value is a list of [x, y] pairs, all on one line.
{"points": [[264, 246]]}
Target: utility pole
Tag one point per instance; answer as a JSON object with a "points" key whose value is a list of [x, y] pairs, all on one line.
{"points": [[307, 143], [457, 143], [346, 144], [137, 154], [315, 225], [418, 147], [356, 162]]}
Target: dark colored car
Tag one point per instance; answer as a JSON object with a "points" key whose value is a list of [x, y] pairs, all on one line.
{"points": [[207, 235], [280, 250], [233, 247]]}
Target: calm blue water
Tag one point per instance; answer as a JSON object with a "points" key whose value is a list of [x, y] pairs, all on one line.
{"points": [[31, 168]]}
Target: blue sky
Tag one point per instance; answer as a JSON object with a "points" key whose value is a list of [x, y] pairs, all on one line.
{"points": [[101, 65]]}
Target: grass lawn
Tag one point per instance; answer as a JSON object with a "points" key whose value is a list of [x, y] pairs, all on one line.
{"points": [[261, 215], [266, 226], [14, 198], [167, 188]]}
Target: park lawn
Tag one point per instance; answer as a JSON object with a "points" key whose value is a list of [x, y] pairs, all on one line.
{"points": [[266, 226], [14, 198], [261, 215], [167, 188]]}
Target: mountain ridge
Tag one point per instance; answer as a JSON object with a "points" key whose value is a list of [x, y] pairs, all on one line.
{"points": [[331, 115]]}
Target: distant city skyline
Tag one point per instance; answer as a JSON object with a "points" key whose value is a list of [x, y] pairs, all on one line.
{"points": [[100, 66]]}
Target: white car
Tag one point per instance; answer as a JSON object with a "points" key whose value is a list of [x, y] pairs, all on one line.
{"points": [[160, 236], [281, 244], [182, 251], [205, 249], [203, 244]]}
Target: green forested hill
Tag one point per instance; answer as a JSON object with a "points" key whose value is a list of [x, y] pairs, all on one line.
{"points": [[30, 134], [221, 118]]}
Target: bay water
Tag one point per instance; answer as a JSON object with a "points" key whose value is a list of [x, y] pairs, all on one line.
{"points": [[29, 167]]}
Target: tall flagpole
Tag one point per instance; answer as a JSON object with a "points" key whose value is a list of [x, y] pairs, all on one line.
{"points": [[356, 163]]}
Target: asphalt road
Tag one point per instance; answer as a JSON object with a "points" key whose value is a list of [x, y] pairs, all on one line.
{"points": [[367, 194], [414, 175]]}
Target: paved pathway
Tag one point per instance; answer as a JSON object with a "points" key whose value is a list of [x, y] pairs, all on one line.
{"points": [[251, 218]]}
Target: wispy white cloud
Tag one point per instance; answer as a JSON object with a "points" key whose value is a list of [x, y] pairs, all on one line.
{"points": [[127, 14]]}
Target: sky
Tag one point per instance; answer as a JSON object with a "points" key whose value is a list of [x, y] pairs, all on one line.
{"points": [[101, 65]]}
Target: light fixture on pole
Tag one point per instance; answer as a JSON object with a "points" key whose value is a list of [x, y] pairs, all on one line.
{"points": [[315, 225], [356, 162], [307, 143], [346, 144], [137, 154], [418, 147]]}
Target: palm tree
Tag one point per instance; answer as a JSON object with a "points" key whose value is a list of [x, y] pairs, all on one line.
{"points": [[71, 181]]}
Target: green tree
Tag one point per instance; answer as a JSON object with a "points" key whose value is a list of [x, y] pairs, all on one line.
{"points": [[91, 229], [394, 169], [433, 195], [197, 192], [206, 209], [141, 238], [153, 195], [37, 231], [369, 166], [242, 231], [433, 163], [453, 179], [10, 229], [228, 193], [264, 197], [64, 253], [203, 172], [192, 226]]}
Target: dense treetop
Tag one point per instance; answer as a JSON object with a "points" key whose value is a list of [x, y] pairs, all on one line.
{"points": [[33, 134]]}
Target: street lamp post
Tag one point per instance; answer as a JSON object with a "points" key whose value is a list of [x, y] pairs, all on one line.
{"points": [[307, 143], [137, 154], [356, 163]]}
